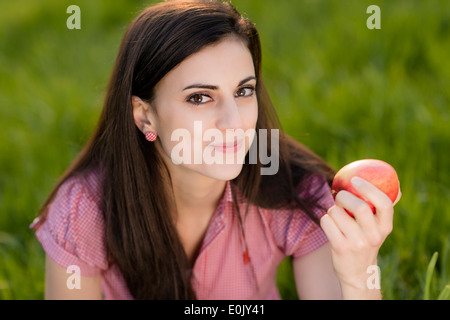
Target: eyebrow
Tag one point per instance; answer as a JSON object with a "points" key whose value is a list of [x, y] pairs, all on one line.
{"points": [[212, 87]]}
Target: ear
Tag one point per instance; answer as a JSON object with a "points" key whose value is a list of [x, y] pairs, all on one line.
{"points": [[142, 114]]}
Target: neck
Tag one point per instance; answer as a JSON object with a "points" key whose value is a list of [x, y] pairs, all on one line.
{"points": [[195, 194]]}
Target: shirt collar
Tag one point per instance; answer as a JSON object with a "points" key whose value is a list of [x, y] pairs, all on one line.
{"points": [[228, 195]]}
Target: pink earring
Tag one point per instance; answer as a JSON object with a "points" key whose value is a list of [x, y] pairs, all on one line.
{"points": [[150, 136]]}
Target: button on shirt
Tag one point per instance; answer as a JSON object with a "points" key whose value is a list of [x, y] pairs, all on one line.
{"points": [[74, 233]]}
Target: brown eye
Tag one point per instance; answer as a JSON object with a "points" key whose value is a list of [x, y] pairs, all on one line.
{"points": [[245, 92], [241, 92], [199, 98]]}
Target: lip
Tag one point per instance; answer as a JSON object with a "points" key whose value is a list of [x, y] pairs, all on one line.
{"points": [[228, 147]]}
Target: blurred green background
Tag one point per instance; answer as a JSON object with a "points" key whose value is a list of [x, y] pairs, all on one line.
{"points": [[343, 90]]}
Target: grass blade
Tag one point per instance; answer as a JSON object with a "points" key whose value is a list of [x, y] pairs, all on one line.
{"points": [[445, 294], [429, 275]]}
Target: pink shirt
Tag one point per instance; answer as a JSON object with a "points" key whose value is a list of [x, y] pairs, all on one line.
{"points": [[73, 234]]}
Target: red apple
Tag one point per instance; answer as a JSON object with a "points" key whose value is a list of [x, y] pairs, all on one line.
{"points": [[381, 174]]}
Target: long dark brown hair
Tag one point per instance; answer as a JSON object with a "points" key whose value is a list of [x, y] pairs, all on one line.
{"points": [[136, 190]]}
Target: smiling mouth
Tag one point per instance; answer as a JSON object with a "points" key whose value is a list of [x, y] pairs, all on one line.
{"points": [[228, 147]]}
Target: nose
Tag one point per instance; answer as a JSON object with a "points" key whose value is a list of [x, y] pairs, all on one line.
{"points": [[229, 116]]}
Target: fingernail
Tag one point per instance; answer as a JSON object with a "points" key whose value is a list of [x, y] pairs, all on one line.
{"points": [[357, 181]]}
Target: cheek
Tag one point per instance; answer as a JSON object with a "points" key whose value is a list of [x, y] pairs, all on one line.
{"points": [[182, 140], [250, 115], [170, 128]]}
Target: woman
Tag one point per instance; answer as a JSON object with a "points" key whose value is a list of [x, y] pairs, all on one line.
{"points": [[144, 213]]}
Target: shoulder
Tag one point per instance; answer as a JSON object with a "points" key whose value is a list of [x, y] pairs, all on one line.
{"points": [[294, 230], [315, 189], [76, 205], [314, 192], [73, 230]]}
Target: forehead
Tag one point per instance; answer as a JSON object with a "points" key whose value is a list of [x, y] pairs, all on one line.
{"points": [[229, 60]]}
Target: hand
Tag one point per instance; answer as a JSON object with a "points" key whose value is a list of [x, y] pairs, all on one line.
{"points": [[355, 242]]}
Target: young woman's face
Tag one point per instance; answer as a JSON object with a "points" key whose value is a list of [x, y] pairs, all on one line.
{"points": [[206, 110]]}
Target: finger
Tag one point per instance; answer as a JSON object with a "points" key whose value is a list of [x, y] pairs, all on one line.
{"points": [[399, 194], [333, 233], [364, 216], [383, 205], [347, 226]]}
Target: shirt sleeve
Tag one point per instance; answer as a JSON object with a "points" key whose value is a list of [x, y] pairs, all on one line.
{"points": [[73, 232], [295, 233]]}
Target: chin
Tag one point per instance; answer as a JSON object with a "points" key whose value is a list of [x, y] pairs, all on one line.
{"points": [[223, 172]]}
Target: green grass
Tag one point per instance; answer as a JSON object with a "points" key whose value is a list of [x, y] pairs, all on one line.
{"points": [[343, 90]]}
